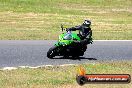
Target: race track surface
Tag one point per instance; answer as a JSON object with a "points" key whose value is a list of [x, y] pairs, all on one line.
{"points": [[33, 53]]}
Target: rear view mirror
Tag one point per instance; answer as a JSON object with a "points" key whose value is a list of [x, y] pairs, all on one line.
{"points": [[62, 27]]}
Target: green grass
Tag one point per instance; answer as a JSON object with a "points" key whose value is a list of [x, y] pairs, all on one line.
{"points": [[41, 19], [62, 76]]}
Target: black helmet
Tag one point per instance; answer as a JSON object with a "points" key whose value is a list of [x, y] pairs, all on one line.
{"points": [[87, 23]]}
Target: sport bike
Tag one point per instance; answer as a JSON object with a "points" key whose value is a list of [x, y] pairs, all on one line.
{"points": [[66, 47]]}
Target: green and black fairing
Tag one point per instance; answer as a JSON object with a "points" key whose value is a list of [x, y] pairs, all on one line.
{"points": [[67, 39]]}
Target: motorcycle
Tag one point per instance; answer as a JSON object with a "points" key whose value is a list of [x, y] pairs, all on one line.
{"points": [[66, 47]]}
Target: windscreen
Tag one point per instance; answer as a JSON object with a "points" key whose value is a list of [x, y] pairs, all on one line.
{"points": [[67, 36]]}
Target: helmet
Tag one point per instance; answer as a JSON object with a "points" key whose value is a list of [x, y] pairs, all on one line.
{"points": [[87, 23]]}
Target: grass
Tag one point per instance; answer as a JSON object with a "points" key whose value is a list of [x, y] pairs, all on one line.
{"points": [[41, 19], [62, 76]]}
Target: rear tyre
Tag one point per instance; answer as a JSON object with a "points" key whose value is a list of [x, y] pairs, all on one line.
{"points": [[75, 57], [52, 52], [65, 56]]}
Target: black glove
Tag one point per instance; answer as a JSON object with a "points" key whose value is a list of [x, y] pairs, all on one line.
{"points": [[68, 29]]}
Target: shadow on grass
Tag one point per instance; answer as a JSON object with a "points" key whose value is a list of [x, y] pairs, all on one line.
{"points": [[71, 58]]}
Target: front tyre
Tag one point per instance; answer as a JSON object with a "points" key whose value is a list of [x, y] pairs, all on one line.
{"points": [[52, 52]]}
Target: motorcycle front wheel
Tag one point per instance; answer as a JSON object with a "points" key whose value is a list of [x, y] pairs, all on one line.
{"points": [[52, 52]]}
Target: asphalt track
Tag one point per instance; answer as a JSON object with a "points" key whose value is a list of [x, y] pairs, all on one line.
{"points": [[33, 53]]}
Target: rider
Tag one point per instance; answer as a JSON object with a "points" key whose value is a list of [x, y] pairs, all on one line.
{"points": [[85, 32]]}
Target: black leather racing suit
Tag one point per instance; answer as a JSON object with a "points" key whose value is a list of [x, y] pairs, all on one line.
{"points": [[85, 34]]}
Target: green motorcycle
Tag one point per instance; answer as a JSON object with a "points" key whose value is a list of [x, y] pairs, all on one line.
{"points": [[66, 46]]}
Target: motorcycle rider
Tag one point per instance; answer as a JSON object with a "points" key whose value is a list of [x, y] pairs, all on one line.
{"points": [[85, 33]]}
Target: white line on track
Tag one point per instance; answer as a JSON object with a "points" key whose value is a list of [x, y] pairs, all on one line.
{"points": [[14, 68]]}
